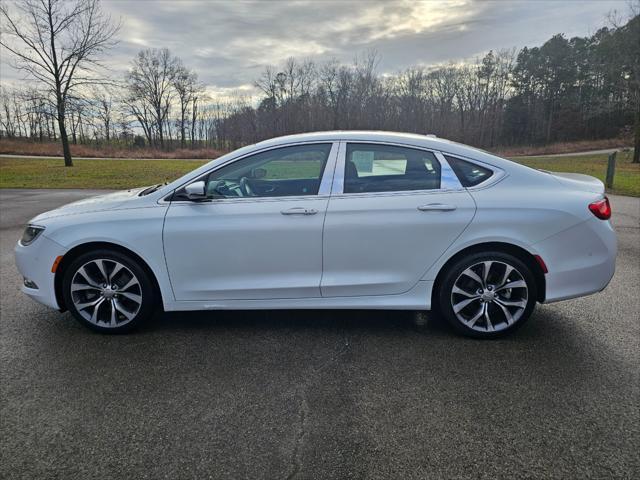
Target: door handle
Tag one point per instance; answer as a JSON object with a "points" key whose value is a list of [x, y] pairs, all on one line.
{"points": [[299, 211], [436, 207]]}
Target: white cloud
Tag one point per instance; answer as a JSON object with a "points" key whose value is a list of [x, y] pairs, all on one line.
{"points": [[229, 43]]}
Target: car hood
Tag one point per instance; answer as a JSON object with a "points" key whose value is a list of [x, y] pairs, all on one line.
{"points": [[578, 181], [108, 201]]}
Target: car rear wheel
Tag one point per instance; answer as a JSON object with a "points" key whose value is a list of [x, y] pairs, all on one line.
{"points": [[486, 295], [108, 291]]}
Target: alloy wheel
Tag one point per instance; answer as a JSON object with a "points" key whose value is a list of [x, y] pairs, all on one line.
{"points": [[106, 293], [489, 296]]}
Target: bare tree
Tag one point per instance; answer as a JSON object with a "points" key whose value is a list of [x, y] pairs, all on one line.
{"points": [[150, 84], [58, 43], [197, 93], [185, 83], [9, 113], [104, 109]]}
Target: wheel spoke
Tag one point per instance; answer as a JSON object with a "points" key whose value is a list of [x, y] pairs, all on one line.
{"points": [[77, 287], [122, 310], [130, 283], [507, 271], [460, 291], [485, 272], [473, 275], [487, 318], [82, 306], [113, 319], [82, 271], [131, 296], [115, 271], [459, 306], [507, 313], [514, 284], [103, 271], [96, 308], [472, 321], [509, 303]]}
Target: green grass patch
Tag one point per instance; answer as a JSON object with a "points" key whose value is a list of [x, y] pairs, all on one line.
{"points": [[122, 174], [108, 174], [625, 182]]}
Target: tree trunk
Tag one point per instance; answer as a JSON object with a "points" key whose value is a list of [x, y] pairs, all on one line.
{"points": [[65, 142], [63, 133], [161, 135], [193, 125], [74, 128], [636, 150], [182, 131], [549, 122]]}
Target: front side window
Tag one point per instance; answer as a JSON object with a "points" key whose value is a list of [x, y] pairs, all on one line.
{"points": [[387, 168], [282, 172]]}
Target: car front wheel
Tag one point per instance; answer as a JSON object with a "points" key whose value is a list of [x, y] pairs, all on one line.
{"points": [[486, 295], [108, 291]]}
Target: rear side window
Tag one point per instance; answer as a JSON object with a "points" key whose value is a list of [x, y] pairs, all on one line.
{"points": [[387, 168], [468, 173]]}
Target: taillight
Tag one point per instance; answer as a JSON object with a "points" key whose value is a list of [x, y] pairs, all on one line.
{"points": [[601, 209]]}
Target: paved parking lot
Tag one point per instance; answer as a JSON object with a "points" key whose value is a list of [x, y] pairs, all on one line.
{"points": [[319, 394]]}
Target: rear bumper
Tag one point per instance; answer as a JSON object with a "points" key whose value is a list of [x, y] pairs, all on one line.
{"points": [[581, 260], [34, 263]]}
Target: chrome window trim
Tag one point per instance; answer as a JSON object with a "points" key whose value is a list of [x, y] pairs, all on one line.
{"points": [[327, 173], [324, 189], [498, 173], [448, 179], [216, 201]]}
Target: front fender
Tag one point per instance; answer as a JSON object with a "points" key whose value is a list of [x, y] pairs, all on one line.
{"points": [[137, 230]]}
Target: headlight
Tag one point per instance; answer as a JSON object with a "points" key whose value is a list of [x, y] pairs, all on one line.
{"points": [[30, 234]]}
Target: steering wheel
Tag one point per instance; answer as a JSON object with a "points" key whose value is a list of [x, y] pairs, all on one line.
{"points": [[245, 187]]}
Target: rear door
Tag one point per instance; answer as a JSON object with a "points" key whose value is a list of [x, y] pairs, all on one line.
{"points": [[393, 211]]}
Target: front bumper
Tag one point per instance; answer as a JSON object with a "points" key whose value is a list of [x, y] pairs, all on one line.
{"points": [[581, 260], [34, 263]]}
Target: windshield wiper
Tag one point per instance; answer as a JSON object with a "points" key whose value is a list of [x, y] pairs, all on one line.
{"points": [[151, 189]]}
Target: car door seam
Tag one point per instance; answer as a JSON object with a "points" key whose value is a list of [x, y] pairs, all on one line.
{"points": [[164, 250], [324, 219]]}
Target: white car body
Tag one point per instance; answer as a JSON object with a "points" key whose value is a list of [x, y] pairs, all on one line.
{"points": [[359, 250]]}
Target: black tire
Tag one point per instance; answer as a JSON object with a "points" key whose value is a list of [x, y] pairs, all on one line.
{"points": [[484, 328], [139, 311]]}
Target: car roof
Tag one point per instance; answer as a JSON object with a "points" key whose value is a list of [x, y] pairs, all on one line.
{"points": [[356, 135], [410, 139]]}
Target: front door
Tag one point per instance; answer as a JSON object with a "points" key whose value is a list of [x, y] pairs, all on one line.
{"points": [[259, 235]]}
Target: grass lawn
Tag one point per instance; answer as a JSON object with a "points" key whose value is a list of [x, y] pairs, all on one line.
{"points": [[626, 180], [108, 174], [122, 174]]}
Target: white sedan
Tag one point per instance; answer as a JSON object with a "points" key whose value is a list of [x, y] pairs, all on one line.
{"points": [[363, 220]]}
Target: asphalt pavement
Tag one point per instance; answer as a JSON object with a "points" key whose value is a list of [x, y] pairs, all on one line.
{"points": [[319, 394]]}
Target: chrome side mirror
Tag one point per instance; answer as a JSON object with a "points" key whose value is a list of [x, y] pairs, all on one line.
{"points": [[195, 191]]}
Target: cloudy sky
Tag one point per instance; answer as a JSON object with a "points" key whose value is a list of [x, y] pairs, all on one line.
{"points": [[229, 43]]}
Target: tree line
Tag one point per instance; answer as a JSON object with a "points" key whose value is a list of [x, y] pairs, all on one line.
{"points": [[564, 90]]}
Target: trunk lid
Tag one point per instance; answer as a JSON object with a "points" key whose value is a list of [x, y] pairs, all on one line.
{"points": [[578, 181]]}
